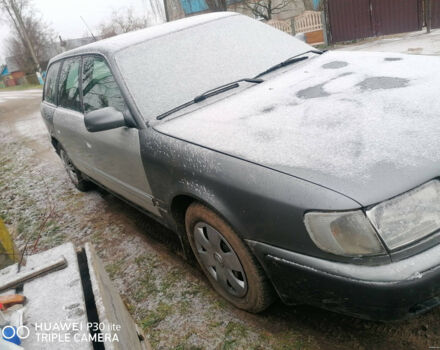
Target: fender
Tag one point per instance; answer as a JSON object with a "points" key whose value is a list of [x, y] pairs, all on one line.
{"points": [[259, 203]]}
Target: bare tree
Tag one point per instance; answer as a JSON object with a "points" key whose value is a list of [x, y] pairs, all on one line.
{"points": [[155, 11], [217, 5], [122, 21], [265, 8], [31, 38]]}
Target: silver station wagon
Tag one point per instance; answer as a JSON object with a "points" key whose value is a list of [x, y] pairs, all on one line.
{"points": [[286, 171]]}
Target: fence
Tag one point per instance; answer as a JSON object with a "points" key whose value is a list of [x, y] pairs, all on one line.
{"points": [[281, 25], [309, 21], [358, 19], [435, 13]]}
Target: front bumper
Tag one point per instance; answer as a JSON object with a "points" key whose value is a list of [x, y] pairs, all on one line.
{"points": [[392, 291]]}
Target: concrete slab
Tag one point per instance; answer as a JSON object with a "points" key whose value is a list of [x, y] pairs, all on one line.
{"points": [[71, 306], [53, 301]]}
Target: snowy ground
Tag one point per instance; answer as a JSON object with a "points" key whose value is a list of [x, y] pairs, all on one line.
{"points": [[168, 297], [419, 43]]}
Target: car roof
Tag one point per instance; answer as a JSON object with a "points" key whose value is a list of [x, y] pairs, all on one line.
{"points": [[111, 45]]}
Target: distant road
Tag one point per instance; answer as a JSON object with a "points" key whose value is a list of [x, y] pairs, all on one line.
{"points": [[20, 95]]}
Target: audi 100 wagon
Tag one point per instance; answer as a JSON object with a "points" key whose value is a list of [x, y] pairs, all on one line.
{"points": [[312, 176]]}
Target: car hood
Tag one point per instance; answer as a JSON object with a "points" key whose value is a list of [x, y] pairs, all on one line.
{"points": [[366, 125]]}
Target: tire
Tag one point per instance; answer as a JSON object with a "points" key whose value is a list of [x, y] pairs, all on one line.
{"points": [[226, 261], [74, 174]]}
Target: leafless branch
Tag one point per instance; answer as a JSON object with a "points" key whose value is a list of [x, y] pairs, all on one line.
{"points": [[122, 21], [265, 8]]}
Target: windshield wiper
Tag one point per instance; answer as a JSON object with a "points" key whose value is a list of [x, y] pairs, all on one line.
{"points": [[290, 60], [218, 90]]}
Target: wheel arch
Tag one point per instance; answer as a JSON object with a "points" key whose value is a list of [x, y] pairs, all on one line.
{"points": [[178, 207], [180, 203]]}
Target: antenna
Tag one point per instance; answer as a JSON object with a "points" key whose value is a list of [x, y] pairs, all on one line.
{"points": [[88, 28]]}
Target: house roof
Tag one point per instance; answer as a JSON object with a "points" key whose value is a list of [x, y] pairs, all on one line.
{"points": [[119, 42]]}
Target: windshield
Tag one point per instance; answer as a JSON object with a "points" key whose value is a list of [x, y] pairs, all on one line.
{"points": [[170, 70]]}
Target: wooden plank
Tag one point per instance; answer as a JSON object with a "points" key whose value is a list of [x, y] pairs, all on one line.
{"points": [[315, 37], [9, 281], [12, 299], [111, 309]]}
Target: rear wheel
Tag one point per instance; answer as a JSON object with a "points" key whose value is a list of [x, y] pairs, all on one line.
{"points": [[74, 174], [229, 265]]}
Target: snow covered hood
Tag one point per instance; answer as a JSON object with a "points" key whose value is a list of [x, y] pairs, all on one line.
{"points": [[363, 124]]}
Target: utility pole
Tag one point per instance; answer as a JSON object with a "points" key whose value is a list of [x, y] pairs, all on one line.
{"points": [[22, 30]]}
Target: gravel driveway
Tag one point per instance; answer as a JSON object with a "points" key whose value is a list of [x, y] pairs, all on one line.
{"points": [[168, 297]]}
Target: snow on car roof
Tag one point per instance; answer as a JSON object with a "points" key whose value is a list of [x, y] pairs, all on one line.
{"points": [[116, 43]]}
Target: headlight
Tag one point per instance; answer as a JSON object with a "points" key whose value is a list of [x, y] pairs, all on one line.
{"points": [[343, 233], [409, 217]]}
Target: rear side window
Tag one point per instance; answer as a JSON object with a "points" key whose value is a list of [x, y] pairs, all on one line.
{"points": [[68, 96], [50, 89], [100, 89]]}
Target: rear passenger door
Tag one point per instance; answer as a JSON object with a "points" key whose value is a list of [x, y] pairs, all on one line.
{"points": [[69, 125], [116, 157], [48, 106]]}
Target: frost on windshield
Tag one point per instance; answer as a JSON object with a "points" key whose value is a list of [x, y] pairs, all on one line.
{"points": [[172, 69]]}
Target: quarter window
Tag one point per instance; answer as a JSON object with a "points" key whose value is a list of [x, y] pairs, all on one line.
{"points": [[50, 89], [69, 85], [100, 89]]}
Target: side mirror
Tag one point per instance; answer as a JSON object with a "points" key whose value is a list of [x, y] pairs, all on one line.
{"points": [[104, 119]]}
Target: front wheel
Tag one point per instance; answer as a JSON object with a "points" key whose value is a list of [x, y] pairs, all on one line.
{"points": [[229, 265], [74, 174]]}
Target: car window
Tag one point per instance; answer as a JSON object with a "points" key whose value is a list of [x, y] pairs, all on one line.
{"points": [[50, 88], [99, 86], [68, 96], [171, 70]]}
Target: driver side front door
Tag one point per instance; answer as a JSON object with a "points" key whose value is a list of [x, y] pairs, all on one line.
{"points": [[116, 158]]}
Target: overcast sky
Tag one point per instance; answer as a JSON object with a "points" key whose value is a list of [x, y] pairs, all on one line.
{"points": [[64, 16]]}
